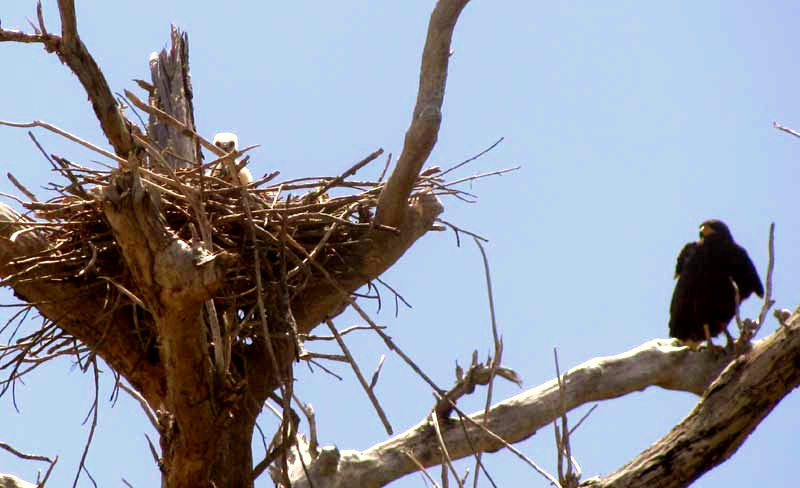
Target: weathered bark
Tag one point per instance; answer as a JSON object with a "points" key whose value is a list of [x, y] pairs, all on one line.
{"points": [[423, 132], [656, 363], [10, 481], [729, 409], [728, 412], [172, 93]]}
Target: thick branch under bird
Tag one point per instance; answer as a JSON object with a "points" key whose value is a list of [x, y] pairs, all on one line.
{"points": [[704, 300], [229, 143]]}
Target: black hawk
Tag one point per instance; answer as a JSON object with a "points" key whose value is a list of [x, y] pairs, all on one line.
{"points": [[704, 300]]}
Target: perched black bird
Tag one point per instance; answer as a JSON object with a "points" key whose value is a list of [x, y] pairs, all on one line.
{"points": [[704, 300]]}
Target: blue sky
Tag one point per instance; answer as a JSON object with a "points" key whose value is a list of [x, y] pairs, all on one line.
{"points": [[632, 122]]}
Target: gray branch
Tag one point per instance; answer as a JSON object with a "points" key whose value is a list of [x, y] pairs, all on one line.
{"points": [[765, 373], [424, 129]]}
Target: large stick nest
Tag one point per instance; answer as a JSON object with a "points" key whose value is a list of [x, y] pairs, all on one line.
{"points": [[297, 227]]}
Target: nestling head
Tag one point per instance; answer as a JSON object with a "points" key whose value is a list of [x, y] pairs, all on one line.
{"points": [[227, 141]]}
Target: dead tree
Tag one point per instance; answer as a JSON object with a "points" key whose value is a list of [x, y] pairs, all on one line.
{"points": [[199, 291]]}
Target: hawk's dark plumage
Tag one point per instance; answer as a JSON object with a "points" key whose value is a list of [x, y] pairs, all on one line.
{"points": [[704, 299]]}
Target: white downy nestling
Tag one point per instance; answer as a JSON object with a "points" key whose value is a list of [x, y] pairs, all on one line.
{"points": [[228, 142]]}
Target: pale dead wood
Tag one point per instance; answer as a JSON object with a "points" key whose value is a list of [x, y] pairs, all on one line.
{"points": [[367, 388], [728, 412], [785, 129], [424, 129], [11, 481], [656, 363], [172, 94]]}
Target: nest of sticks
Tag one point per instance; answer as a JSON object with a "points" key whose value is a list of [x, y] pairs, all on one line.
{"points": [[297, 227]]}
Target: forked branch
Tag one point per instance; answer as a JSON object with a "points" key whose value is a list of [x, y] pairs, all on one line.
{"points": [[424, 129], [656, 363]]}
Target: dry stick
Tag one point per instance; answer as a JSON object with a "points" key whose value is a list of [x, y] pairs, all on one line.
{"points": [[323, 368], [263, 317], [464, 417], [309, 337], [585, 416], [95, 408], [420, 467], [67, 135], [308, 355], [40, 18], [482, 175], [314, 252], [22, 455], [16, 199], [136, 300], [473, 158], [22, 188], [397, 296], [768, 301], [360, 377], [350, 172], [457, 229], [377, 372], [785, 129], [498, 349], [287, 436], [311, 418], [562, 438], [385, 167], [151, 416], [445, 455], [48, 473], [164, 116]]}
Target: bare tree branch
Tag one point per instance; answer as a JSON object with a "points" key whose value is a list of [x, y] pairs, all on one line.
{"points": [[735, 403], [11, 481], [656, 363], [424, 129]]}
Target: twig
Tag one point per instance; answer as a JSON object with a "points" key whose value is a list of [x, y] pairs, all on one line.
{"points": [[473, 158], [768, 301], [498, 347], [309, 337], [22, 188], [94, 409], [785, 129], [151, 416], [445, 455], [311, 418], [584, 417], [22, 455], [350, 172], [372, 398], [377, 372], [385, 167], [164, 116], [420, 467], [63, 133], [481, 175], [464, 417], [568, 479]]}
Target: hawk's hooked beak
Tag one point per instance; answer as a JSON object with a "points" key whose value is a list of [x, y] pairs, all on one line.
{"points": [[705, 231]]}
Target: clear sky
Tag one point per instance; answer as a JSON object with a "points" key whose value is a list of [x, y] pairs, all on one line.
{"points": [[633, 123]]}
